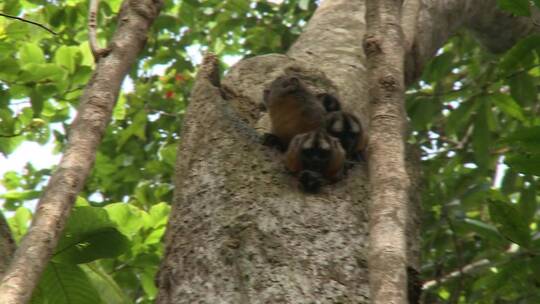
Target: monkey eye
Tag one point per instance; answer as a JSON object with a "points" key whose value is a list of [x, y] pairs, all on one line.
{"points": [[330, 102]]}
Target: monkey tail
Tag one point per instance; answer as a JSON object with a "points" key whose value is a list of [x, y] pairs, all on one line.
{"points": [[310, 181]]}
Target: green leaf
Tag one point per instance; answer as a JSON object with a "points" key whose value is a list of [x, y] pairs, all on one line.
{"points": [[119, 111], [485, 230], [508, 184], [512, 59], [439, 67], [516, 7], [159, 215], [31, 53], [66, 57], [509, 221], [105, 284], [481, 138], [90, 235], [43, 72], [23, 195], [460, 117], [148, 282], [10, 69], [65, 284], [19, 222], [523, 89], [18, 30], [524, 163], [507, 105], [9, 144], [155, 236], [11, 180], [303, 4], [525, 138], [168, 154], [527, 203], [36, 100], [127, 217]]}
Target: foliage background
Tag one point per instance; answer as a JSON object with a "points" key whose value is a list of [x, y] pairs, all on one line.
{"points": [[474, 114]]}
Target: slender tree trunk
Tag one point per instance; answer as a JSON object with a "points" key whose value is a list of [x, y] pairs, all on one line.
{"points": [[7, 245], [240, 231], [384, 45]]}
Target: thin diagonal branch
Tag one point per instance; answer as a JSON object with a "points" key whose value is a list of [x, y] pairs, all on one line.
{"points": [[29, 21]]}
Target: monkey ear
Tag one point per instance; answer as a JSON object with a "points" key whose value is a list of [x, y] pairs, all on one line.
{"points": [[329, 102]]}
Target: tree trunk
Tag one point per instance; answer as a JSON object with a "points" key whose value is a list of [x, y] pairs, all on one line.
{"points": [[7, 245], [240, 230]]}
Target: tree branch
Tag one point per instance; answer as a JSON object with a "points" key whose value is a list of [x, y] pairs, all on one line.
{"points": [[388, 209], [92, 35], [7, 244], [409, 19], [497, 30], [36, 248], [28, 21]]}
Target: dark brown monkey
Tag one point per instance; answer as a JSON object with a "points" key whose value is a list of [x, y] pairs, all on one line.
{"points": [[293, 109], [315, 157], [348, 129]]}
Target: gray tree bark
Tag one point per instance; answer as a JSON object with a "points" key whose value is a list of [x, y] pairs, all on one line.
{"points": [[240, 231], [7, 245]]}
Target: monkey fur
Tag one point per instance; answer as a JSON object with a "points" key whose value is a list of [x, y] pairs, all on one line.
{"points": [[346, 127], [315, 157], [293, 110]]}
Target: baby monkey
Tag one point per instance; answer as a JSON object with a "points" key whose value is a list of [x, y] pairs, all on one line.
{"points": [[293, 110], [315, 157], [347, 128], [344, 126]]}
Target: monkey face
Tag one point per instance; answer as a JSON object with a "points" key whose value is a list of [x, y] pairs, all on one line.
{"points": [[315, 158], [287, 84], [329, 102], [281, 87], [347, 128], [348, 140]]}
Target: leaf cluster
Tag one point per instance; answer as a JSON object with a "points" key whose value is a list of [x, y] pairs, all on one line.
{"points": [[475, 116]]}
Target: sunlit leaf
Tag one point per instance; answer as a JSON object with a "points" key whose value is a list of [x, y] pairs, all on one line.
{"points": [[90, 235], [65, 284]]}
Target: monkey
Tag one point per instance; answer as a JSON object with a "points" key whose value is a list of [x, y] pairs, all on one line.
{"points": [[293, 110], [315, 157], [346, 127]]}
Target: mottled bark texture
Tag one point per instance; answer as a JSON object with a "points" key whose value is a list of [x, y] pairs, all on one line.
{"points": [[240, 230], [7, 244], [85, 134], [384, 46]]}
